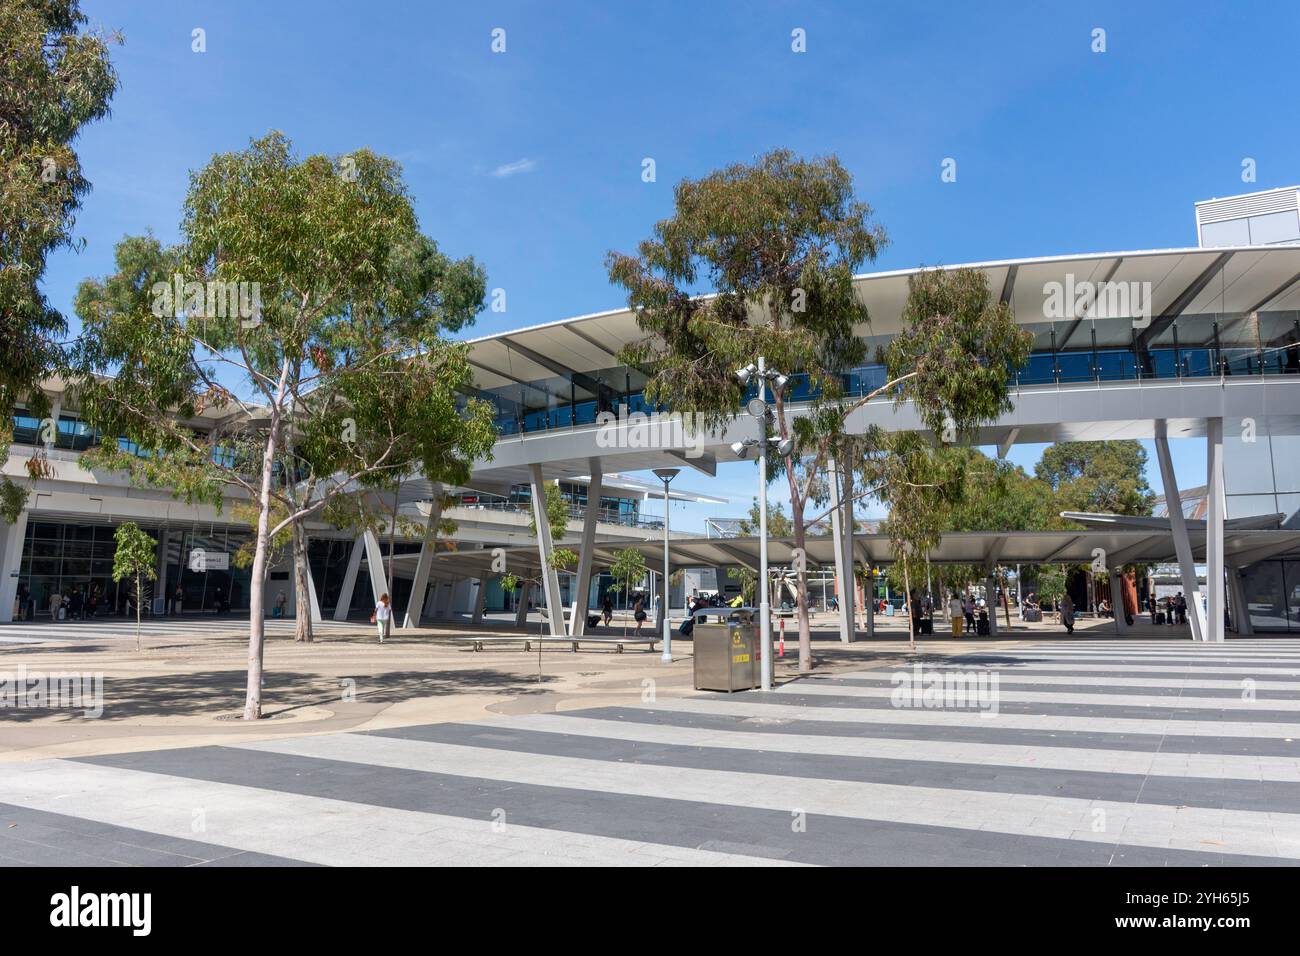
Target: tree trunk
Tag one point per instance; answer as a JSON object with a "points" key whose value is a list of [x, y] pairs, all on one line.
{"points": [[257, 578], [801, 599], [301, 586]]}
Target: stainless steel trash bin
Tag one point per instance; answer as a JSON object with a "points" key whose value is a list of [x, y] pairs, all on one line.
{"points": [[727, 655]]}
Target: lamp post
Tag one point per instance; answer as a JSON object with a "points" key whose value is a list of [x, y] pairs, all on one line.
{"points": [[758, 408], [666, 475]]}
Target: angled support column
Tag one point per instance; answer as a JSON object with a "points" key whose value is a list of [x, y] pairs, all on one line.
{"points": [[375, 564], [1237, 607], [315, 601], [350, 579], [420, 586], [11, 554], [521, 611], [1214, 530], [546, 548], [843, 571], [582, 582], [1178, 526], [480, 602], [1117, 600]]}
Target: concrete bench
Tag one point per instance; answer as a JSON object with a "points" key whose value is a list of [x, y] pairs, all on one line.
{"points": [[529, 641]]}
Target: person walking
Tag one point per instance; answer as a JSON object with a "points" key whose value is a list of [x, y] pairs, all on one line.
{"points": [[178, 598], [281, 600], [382, 614], [1067, 613], [955, 614], [607, 610], [968, 610], [638, 613]]}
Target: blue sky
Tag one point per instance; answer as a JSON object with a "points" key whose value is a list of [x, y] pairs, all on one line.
{"points": [[530, 160]]}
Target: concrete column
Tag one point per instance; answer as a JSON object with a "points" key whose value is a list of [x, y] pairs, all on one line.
{"points": [[420, 584], [1178, 526], [521, 612], [160, 581], [546, 548], [11, 556], [1214, 568], [375, 564], [316, 617], [1241, 623], [349, 580], [843, 574], [480, 601], [1117, 600], [990, 592], [582, 582]]}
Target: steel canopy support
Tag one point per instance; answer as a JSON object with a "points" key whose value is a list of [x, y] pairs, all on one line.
{"points": [[843, 567], [1178, 525], [546, 548], [582, 584], [420, 585], [1241, 622], [1214, 564], [349, 580]]}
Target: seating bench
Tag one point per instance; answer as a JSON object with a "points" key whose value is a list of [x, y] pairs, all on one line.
{"points": [[530, 640]]}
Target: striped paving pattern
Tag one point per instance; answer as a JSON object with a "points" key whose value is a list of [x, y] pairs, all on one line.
{"points": [[1099, 753]]}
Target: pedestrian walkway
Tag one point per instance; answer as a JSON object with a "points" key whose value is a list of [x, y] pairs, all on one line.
{"points": [[110, 628], [1099, 753]]}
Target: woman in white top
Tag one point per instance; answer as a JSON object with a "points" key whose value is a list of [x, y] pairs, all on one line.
{"points": [[956, 614], [383, 613]]}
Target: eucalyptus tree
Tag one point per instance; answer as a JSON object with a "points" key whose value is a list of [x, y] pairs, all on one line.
{"points": [[778, 242], [55, 78], [134, 560], [288, 339]]}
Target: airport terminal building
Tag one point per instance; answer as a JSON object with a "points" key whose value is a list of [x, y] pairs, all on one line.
{"points": [[1192, 343]]}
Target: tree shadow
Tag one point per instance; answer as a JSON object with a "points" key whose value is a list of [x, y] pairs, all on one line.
{"points": [[218, 693]]}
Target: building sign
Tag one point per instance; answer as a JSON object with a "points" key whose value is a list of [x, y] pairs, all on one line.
{"points": [[202, 561]]}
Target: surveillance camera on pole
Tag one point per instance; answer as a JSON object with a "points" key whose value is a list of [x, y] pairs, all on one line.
{"points": [[757, 407]]}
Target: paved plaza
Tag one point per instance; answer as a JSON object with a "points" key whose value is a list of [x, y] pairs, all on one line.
{"points": [[1101, 752]]}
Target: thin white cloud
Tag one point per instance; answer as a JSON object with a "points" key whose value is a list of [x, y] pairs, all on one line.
{"points": [[514, 169]]}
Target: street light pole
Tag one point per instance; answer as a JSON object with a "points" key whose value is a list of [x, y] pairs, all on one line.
{"points": [[764, 607], [666, 475], [758, 408]]}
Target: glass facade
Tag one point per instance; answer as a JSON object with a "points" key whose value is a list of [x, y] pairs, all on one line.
{"points": [[1065, 351], [73, 560]]}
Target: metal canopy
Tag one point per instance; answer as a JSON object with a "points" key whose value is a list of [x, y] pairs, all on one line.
{"points": [[1183, 281], [1241, 547]]}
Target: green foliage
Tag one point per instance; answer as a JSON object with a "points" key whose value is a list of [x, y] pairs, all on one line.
{"points": [[1098, 476], [338, 376], [628, 569], [134, 559], [778, 525], [1051, 581], [960, 346], [557, 513], [778, 241], [135, 553], [54, 80], [748, 583]]}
